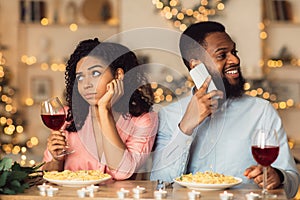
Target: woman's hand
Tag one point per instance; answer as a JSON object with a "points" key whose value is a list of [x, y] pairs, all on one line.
{"points": [[114, 91], [56, 144]]}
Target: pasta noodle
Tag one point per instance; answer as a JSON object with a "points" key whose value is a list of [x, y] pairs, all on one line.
{"points": [[207, 177], [81, 175]]}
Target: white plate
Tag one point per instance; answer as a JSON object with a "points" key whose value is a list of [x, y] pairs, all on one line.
{"points": [[201, 186], [73, 183]]}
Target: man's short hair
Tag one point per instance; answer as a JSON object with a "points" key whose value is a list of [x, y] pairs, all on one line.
{"points": [[192, 40]]}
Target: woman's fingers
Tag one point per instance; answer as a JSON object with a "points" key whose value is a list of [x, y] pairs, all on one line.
{"points": [[56, 143], [118, 90]]}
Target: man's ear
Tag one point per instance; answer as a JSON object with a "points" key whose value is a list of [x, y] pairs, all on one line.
{"points": [[119, 74], [193, 63]]}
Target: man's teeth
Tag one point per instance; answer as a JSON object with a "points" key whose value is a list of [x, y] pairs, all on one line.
{"points": [[232, 72]]}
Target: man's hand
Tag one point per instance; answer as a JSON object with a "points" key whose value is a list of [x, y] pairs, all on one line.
{"points": [[201, 106], [256, 173]]}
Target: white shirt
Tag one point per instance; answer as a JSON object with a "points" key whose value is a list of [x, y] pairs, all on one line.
{"points": [[221, 143]]}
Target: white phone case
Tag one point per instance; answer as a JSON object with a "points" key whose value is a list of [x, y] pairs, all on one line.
{"points": [[199, 74]]}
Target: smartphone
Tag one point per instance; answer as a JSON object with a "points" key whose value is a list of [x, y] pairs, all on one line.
{"points": [[199, 74]]}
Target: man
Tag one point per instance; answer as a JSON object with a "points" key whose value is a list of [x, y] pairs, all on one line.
{"points": [[203, 133]]}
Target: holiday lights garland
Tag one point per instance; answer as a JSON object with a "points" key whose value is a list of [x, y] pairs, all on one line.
{"points": [[182, 17]]}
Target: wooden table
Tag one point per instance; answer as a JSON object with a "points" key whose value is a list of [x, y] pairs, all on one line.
{"points": [[110, 188]]}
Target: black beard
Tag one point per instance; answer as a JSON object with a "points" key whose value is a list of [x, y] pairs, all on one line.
{"points": [[234, 91]]}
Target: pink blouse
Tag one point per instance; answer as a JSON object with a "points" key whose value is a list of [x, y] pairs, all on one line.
{"points": [[137, 133]]}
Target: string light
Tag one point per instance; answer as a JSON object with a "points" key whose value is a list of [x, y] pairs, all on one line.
{"points": [[44, 21], [12, 130], [31, 60], [164, 94], [276, 63], [259, 92], [182, 17]]}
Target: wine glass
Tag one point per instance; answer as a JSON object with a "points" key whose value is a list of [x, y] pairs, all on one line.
{"points": [[53, 116], [265, 149]]}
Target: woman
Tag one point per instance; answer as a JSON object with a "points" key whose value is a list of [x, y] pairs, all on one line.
{"points": [[109, 123]]}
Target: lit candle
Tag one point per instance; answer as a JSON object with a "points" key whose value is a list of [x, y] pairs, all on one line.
{"points": [[158, 194], [51, 190], [226, 195], [252, 196], [93, 187], [81, 193], [193, 194], [138, 189], [43, 187], [122, 193], [91, 192]]}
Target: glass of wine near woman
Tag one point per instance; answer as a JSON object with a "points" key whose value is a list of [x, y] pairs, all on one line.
{"points": [[265, 150], [53, 116]]}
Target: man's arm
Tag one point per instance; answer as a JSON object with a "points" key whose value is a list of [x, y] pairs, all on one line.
{"points": [[171, 150], [171, 161], [176, 128], [290, 182]]}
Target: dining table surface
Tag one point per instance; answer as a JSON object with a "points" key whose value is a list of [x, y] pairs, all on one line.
{"points": [[109, 189]]}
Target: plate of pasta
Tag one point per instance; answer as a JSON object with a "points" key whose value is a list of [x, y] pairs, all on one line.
{"points": [[207, 181], [79, 178]]}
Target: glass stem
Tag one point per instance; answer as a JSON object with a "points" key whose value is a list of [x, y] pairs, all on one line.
{"points": [[264, 191]]}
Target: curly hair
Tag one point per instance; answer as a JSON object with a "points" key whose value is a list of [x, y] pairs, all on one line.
{"points": [[138, 96]]}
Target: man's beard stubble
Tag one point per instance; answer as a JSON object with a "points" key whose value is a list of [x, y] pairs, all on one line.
{"points": [[234, 91]]}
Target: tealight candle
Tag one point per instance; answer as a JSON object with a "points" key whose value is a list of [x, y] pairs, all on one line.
{"points": [[43, 187], [193, 194], [136, 195], [51, 190], [226, 195], [138, 189], [158, 194], [92, 187], [91, 192], [81, 193], [122, 193], [252, 196]]}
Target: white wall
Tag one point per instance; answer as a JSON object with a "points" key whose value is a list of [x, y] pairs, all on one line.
{"points": [[242, 19]]}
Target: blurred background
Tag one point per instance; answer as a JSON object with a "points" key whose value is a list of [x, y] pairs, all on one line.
{"points": [[38, 36]]}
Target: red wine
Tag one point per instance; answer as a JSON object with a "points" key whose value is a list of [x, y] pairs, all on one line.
{"points": [[265, 156], [54, 122]]}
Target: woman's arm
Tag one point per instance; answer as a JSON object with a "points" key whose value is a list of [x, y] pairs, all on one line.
{"points": [[140, 133], [113, 146], [55, 145], [123, 158]]}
